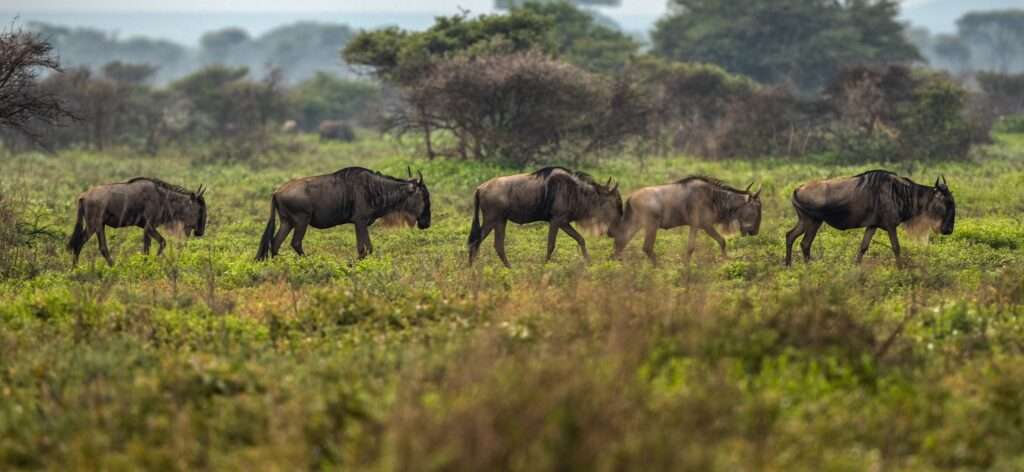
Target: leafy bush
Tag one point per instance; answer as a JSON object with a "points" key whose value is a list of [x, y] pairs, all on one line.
{"points": [[326, 97]]}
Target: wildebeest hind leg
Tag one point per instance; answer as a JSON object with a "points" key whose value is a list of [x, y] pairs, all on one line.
{"points": [[809, 235], [101, 238], [579, 239], [499, 242], [299, 235], [78, 250], [865, 243], [282, 233], [474, 247], [791, 238]]}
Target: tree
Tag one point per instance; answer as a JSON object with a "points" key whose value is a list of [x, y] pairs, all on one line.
{"points": [[23, 104], [218, 45], [799, 42], [953, 51], [998, 34], [581, 39], [326, 97], [508, 4]]}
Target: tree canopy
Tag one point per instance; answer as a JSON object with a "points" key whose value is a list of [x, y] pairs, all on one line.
{"points": [[798, 42]]}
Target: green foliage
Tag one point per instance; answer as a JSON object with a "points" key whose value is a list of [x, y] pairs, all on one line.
{"points": [[325, 97], [580, 39], [802, 42]]}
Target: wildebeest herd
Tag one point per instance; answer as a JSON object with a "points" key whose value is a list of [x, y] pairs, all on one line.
{"points": [[872, 200]]}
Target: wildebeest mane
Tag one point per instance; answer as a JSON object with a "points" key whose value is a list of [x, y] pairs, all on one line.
{"points": [[161, 184], [722, 195], [904, 193], [573, 187], [381, 190]]}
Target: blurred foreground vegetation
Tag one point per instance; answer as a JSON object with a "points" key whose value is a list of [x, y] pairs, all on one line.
{"points": [[205, 359]]}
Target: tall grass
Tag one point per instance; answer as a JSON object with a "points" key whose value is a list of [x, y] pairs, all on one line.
{"points": [[205, 359]]}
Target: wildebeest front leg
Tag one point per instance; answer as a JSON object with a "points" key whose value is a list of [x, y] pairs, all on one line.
{"points": [[579, 239], [895, 241], [101, 237], [717, 237], [650, 234], [499, 242], [691, 244], [868, 234], [152, 233], [552, 236], [362, 239]]}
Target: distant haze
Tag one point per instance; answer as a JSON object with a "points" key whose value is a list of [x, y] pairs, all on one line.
{"points": [[185, 21]]}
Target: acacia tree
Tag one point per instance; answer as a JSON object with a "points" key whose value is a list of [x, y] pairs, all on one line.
{"points": [[799, 42], [999, 34], [23, 103]]}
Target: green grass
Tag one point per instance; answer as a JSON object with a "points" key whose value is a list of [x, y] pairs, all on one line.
{"points": [[205, 359]]}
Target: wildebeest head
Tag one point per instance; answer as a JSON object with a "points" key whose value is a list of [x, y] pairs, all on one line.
{"points": [[942, 207], [194, 214], [418, 202], [748, 215], [608, 211]]}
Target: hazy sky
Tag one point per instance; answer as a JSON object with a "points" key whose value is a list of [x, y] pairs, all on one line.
{"points": [[628, 6]]}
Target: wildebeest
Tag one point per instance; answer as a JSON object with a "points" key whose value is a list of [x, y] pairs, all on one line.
{"points": [[144, 202], [697, 201], [872, 200], [553, 194], [331, 130], [290, 127], [351, 195]]}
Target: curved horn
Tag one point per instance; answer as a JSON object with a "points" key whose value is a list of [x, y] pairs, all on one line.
{"points": [[758, 192], [747, 190], [420, 173], [938, 182], [944, 180], [608, 183], [408, 170], [616, 187]]}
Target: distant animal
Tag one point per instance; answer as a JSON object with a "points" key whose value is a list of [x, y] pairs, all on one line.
{"points": [[290, 127], [351, 195], [872, 200], [331, 130], [145, 202], [700, 202], [554, 194]]}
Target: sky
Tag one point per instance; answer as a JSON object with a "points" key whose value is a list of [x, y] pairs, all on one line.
{"points": [[446, 6]]}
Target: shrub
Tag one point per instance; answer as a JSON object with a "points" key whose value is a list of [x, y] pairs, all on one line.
{"points": [[518, 107], [896, 113], [326, 97]]}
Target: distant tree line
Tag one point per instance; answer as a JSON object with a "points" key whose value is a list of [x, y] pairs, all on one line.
{"points": [[991, 41], [299, 50]]}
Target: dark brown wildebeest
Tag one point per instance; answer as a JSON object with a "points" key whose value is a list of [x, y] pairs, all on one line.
{"points": [[144, 202], [872, 200], [698, 202], [553, 194], [351, 195], [331, 130]]}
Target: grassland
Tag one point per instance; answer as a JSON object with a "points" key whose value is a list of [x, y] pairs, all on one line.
{"points": [[205, 359]]}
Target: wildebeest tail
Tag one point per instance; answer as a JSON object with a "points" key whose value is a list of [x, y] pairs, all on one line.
{"points": [[78, 235], [268, 233], [474, 231]]}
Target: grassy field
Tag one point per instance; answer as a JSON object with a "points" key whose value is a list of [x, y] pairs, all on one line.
{"points": [[205, 359]]}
